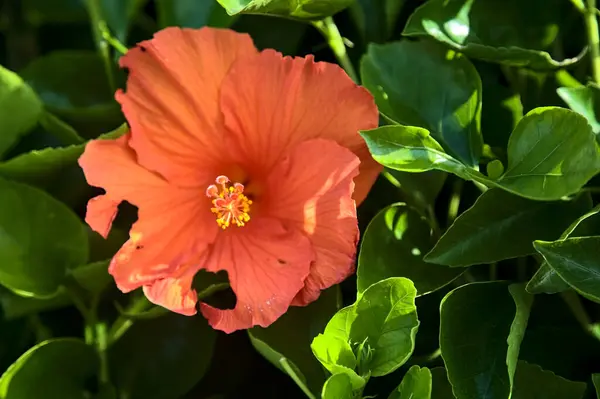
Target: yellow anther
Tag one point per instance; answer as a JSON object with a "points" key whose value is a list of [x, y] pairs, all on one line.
{"points": [[230, 204]]}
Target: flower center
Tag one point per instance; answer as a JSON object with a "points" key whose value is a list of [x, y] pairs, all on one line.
{"points": [[229, 203]]}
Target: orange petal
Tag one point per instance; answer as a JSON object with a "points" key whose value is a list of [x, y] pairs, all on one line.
{"points": [[267, 264], [175, 293], [297, 99], [171, 102], [111, 164], [312, 187], [174, 224]]}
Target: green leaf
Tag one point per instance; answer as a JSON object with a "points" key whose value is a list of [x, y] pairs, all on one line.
{"points": [[482, 325], [376, 19], [393, 245], [416, 384], [93, 277], [59, 129], [493, 30], [386, 322], [20, 109], [412, 149], [62, 81], [551, 153], [40, 240], [422, 84], [546, 280], [333, 350], [440, 386], [36, 375], [297, 9], [523, 302], [162, 358], [532, 382], [585, 100], [338, 386], [289, 338], [577, 261], [511, 222], [192, 14], [42, 168]]}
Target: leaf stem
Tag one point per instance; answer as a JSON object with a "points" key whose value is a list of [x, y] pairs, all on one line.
{"points": [[140, 304], [110, 39], [290, 371], [95, 12], [454, 204], [124, 323], [95, 330], [329, 30], [574, 303], [591, 23]]}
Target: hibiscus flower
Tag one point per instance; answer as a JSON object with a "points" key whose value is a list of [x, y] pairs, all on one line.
{"points": [[237, 160]]}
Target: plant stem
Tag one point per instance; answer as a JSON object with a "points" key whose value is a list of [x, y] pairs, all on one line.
{"points": [[124, 323], [95, 330], [574, 303], [110, 39], [141, 304], [454, 204], [95, 12], [591, 24], [329, 30]]}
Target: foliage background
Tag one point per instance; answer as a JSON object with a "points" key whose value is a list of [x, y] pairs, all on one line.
{"points": [[447, 193]]}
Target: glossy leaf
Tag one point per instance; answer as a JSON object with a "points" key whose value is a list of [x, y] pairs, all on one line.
{"points": [[338, 386], [585, 100], [332, 348], [36, 375], [576, 261], [393, 246], [532, 382], [416, 384], [290, 337], [482, 325], [493, 30], [62, 81], [386, 322], [42, 239], [20, 109], [413, 149], [302, 9], [551, 153], [421, 84], [546, 280], [508, 221], [162, 358], [192, 14]]}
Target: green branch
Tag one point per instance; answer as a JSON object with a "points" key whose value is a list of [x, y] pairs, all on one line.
{"points": [[335, 41]]}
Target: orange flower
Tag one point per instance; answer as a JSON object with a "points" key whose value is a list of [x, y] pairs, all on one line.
{"points": [[237, 160]]}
